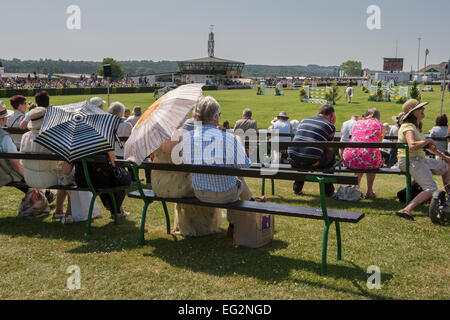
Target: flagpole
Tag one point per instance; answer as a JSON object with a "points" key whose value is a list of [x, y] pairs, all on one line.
{"points": [[443, 87]]}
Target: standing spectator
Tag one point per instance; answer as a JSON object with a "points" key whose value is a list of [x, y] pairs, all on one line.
{"points": [[440, 131], [97, 101], [368, 129], [137, 112], [318, 128], [349, 93]]}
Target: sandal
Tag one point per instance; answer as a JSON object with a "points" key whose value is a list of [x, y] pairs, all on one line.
{"points": [[67, 219], [404, 214], [371, 196], [57, 216], [261, 199]]}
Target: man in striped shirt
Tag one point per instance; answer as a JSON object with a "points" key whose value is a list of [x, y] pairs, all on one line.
{"points": [[207, 145], [318, 128]]}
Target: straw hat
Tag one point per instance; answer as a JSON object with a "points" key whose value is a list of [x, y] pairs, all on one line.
{"points": [[410, 106], [37, 118], [4, 113], [283, 115], [397, 118]]}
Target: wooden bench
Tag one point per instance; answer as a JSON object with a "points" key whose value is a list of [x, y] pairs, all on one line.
{"points": [[339, 169], [323, 213], [95, 191]]}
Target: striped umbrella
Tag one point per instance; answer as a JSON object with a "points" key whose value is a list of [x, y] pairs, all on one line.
{"points": [[78, 130], [160, 120]]}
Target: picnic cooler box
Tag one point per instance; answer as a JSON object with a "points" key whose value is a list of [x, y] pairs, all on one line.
{"points": [[252, 230]]}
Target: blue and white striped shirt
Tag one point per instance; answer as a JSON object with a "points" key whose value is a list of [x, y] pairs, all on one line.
{"points": [[209, 146]]}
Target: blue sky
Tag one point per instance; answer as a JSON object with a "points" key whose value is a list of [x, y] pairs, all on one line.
{"points": [[289, 32]]}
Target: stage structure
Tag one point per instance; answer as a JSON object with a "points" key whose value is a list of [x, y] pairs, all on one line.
{"points": [[210, 70]]}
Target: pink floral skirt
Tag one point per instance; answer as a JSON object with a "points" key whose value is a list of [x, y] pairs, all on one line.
{"points": [[362, 158]]}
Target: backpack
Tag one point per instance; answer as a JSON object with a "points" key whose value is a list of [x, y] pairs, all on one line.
{"points": [[349, 193]]}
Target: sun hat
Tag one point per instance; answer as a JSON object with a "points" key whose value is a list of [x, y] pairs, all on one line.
{"points": [[97, 101], [397, 118], [36, 118], [283, 115], [410, 106], [4, 113]]}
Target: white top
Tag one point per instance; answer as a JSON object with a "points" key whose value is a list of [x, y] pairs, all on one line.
{"points": [[439, 131], [282, 127], [394, 131], [133, 120], [347, 130], [124, 130]]}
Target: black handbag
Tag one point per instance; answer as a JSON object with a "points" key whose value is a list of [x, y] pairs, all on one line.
{"points": [[121, 177]]}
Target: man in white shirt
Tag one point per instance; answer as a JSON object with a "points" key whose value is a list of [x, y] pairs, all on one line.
{"points": [[347, 129]]}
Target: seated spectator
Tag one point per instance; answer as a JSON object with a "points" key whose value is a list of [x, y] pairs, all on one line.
{"points": [[26, 118], [98, 102], [43, 174], [19, 104], [225, 126], [368, 129], [124, 129], [421, 168], [281, 126], [207, 187], [246, 122], [137, 112], [127, 113], [440, 131], [318, 128], [294, 125], [42, 99], [101, 175], [11, 171], [347, 129]]}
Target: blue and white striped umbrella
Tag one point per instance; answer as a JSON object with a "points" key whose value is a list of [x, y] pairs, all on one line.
{"points": [[78, 130]]}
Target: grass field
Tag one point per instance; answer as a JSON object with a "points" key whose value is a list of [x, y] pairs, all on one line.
{"points": [[413, 256]]}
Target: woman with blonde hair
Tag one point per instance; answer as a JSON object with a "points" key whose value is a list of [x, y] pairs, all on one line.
{"points": [[368, 129]]}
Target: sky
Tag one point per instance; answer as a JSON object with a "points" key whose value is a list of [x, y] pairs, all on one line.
{"points": [[288, 32]]}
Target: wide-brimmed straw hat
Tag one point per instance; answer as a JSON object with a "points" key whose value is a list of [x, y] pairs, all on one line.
{"points": [[4, 113], [283, 115], [397, 118], [37, 118], [410, 106]]}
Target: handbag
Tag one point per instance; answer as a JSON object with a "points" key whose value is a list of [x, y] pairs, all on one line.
{"points": [[34, 205], [121, 177], [349, 193]]}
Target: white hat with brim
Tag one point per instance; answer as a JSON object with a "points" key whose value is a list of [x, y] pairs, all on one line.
{"points": [[37, 118], [5, 113]]}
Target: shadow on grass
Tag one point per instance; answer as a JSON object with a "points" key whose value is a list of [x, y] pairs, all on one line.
{"points": [[215, 255], [105, 238]]}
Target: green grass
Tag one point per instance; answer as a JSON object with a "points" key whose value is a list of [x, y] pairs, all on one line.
{"points": [[413, 256]]}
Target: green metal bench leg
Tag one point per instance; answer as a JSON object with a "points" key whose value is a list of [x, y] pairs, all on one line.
{"points": [[324, 249], [273, 187], [114, 207], [263, 188], [166, 212], [91, 208], [338, 236], [144, 214]]}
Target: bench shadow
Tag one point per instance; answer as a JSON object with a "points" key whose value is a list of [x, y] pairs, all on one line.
{"points": [[391, 205], [216, 255], [101, 239]]}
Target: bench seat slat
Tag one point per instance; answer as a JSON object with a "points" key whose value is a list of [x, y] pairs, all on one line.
{"points": [[284, 166], [262, 207]]}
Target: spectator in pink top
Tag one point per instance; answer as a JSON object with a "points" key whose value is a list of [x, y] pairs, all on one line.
{"points": [[368, 129]]}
